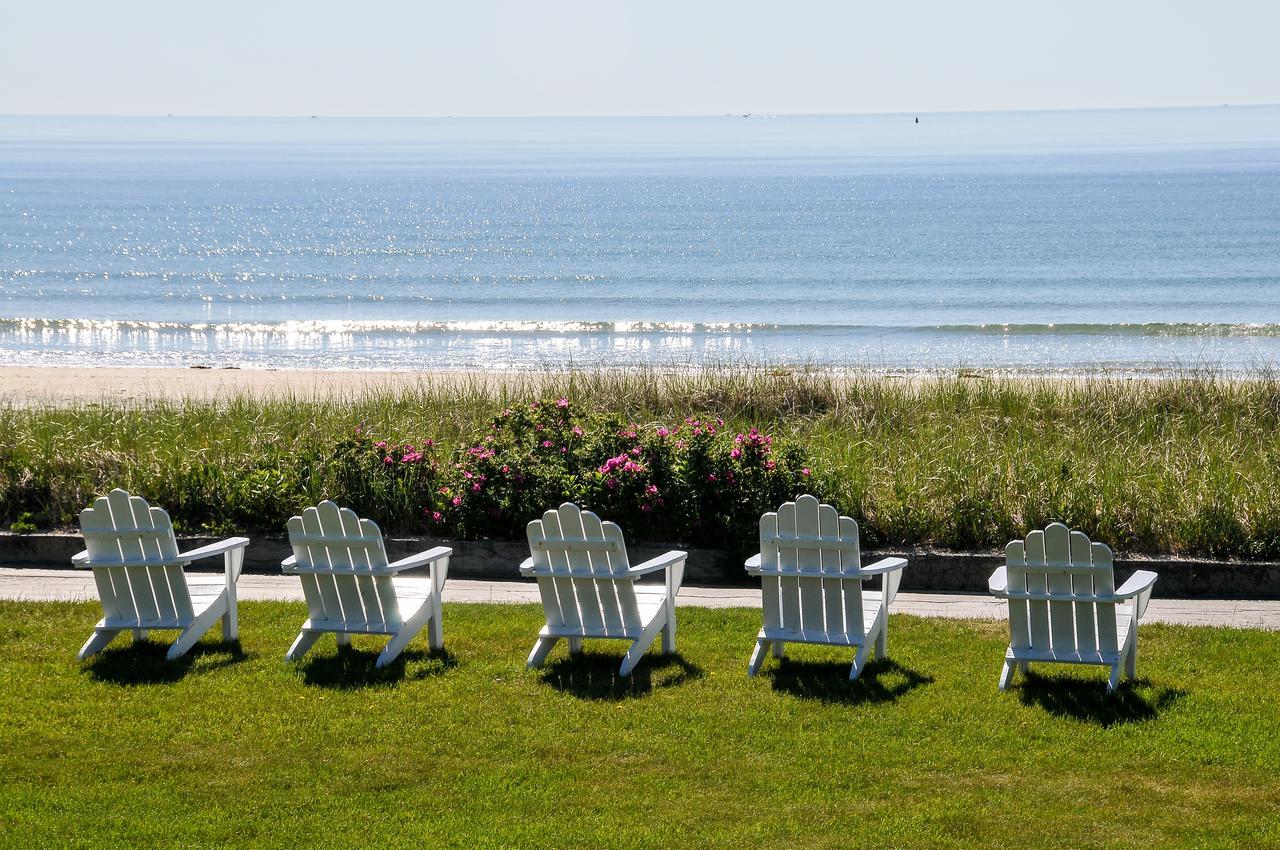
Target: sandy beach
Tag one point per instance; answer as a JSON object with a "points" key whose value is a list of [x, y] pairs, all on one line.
{"points": [[57, 385]]}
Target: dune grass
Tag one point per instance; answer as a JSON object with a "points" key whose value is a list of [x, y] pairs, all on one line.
{"points": [[1185, 465], [235, 746]]}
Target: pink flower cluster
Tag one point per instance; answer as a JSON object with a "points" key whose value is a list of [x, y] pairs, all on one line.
{"points": [[622, 462], [754, 439]]}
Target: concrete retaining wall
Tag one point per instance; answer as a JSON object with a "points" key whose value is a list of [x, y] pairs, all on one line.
{"points": [[498, 559]]}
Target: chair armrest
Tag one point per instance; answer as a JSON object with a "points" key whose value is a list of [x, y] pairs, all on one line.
{"points": [[219, 548], [752, 564], [998, 584], [80, 558], [675, 556], [421, 559], [1138, 588], [884, 565], [526, 567], [890, 570]]}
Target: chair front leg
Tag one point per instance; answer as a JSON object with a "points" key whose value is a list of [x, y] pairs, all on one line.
{"points": [[232, 563], [675, 574]]}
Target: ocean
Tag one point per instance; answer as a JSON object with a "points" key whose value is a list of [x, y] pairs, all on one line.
{"points": [[1065, 242]]}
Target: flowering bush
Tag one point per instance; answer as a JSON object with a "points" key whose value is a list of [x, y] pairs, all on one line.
{"points": [[694, 481]]}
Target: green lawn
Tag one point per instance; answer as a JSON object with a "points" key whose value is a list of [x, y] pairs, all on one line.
{"points": [[468, 749]]}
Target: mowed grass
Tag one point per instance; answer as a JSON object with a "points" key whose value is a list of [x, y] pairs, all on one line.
{"points": [[468, 749]]}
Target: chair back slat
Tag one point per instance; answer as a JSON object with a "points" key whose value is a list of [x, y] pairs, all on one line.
{"points": [[588, 587], [1058, 562], [358, 591], [1082, 584], [133, 554], [810, 536], [1057, 550]]}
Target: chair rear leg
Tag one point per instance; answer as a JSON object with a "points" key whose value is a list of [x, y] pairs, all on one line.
{"points": [[343, 639], [196, 630], [306, 639], [97, 642], [401, 638], [860, 661], [575, 645], [779, 649], [1114, 681], [642, 643], [1006, 674], [540, 651], [140, 634], [1131, 661], [757, 657]]}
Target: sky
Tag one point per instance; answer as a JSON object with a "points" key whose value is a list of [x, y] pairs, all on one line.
{"points": [[656, 57]]}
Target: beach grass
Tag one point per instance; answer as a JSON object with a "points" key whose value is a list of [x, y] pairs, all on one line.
{"points": [[232, 745], [1185, 465]]}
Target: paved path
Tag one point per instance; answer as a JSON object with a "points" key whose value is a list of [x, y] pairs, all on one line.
{"points": [[74, 585]]}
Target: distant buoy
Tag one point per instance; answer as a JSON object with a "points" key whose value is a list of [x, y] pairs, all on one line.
{"points": [[917, 119]]}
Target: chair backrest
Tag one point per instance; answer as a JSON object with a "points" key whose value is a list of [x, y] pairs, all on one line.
{"points": [[134, 558], [342, 562], [582, 567], [1055, 578], [810, 562]]}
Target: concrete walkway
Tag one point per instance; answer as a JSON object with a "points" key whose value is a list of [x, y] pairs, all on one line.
{"points": [[76, 585]]}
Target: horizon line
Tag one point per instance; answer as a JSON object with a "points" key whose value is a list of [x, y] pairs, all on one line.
{"points": [[615, 116]]}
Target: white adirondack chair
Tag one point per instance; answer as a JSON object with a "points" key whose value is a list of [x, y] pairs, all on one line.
{"points": [[138, 569], [351, 588], [812, 575], [1064, 606], [589, 589]]}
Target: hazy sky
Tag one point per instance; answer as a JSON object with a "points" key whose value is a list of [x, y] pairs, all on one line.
{"points": [[595, 57]]}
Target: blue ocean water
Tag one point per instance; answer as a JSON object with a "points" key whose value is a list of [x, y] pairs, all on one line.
{"points": [[1055, 242]]}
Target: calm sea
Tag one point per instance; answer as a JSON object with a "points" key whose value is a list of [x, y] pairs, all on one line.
{"points": [[1058, 242]]}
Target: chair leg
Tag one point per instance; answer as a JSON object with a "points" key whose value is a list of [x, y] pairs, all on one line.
{"points": [[540, 651], [669, 630], [196, 630], [1006, 674], [410, 628], [306, 639], [882, 637], [779, 649], [1131, 661], [435, 629], [140, 634], [233, 561], [757, 657], [575, 645], [860, 661], [342, 638], [1114, 681], [642, 643], [97, 642]]}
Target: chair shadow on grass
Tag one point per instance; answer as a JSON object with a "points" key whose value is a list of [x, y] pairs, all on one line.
{"points": [[350, 669], [882, 680], [594, 675], [144, 663], [1087, 699]]}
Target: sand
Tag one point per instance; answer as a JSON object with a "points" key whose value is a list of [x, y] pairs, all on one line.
{"points": [[57, 385], [71, 385]]}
